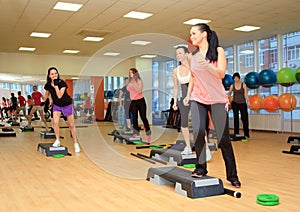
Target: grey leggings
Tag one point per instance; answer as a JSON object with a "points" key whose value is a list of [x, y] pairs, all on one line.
{"points": [[220, 120]]}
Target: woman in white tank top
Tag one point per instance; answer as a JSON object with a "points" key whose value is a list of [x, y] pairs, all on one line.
{"points": [[181, 77]]}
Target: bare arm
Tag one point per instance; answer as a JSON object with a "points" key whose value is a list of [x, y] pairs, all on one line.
{"points": [[175, 81], [230, 91], [139, 86], [46, 95], [246, 93], [220, 69], [189, 91], [120, 98]]}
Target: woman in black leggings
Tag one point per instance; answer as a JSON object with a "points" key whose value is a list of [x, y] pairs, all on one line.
{"points": [[138, 103]]}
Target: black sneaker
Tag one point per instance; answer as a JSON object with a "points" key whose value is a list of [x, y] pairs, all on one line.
{"points": [[236, 183], [198, 173]]}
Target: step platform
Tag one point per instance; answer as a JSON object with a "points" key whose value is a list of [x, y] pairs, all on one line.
{"points": [[44, 134], [237, 137], [294, 140], [15, 123], [26, 129], [173, 156], [294, 150], [7, 132], [125, 138], [184, 183], [48, 150]]}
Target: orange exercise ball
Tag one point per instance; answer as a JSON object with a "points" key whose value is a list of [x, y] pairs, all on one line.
{"points": [[256, 102], [271, 103], [287, 102]]}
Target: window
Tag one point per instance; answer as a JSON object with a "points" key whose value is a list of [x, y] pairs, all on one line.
{"points": [[245, 61], [291, 59]]}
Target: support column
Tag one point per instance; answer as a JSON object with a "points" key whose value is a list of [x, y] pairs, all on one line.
{"points": [[98, 83]]}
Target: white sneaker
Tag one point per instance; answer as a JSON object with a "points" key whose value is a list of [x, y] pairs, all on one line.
{"points": [[187, 151], [208, 155], [56, 143], [77, 147]]}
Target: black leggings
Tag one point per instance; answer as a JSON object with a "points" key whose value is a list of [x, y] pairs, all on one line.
{"points": [[139, 106], [220, 120], [244, 117]]}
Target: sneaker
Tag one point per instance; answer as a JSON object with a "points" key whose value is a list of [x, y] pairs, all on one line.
{"points": [[148, 138], [77, 147], [56, 143], [128, 131], [187, 151], [198, 173], [135, 136], [236, 183]]}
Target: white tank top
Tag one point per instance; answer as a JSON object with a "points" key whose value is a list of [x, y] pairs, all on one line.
{"points": [[185, 79]]}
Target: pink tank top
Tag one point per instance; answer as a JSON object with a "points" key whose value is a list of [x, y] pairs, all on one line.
{"points": [[134, 95], [208, 88]]}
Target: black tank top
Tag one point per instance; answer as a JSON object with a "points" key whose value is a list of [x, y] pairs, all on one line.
{"points": [[239, 95]]}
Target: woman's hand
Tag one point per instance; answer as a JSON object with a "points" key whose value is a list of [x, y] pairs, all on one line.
{"points": [[175, 107], [186, 101]]}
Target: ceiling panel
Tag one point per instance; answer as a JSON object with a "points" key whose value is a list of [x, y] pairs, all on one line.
{"points": [[18, 18]]}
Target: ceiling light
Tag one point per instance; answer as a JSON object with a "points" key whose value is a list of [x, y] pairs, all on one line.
{"points": [[195, 21], [137, 15], [96, 39], [140, 42], [148, 56], [247, 52], [40, 34], [67, 6], [111, 53], [69, 51], [74, 78], [246, 28], [30, 49]]}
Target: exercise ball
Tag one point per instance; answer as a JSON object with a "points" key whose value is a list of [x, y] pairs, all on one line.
{"points": [[267, 78], [110, 93], [251, 80], [227, 81], [271, 103], [298, 74], [256, 102], [287, 102], [286, 77]]}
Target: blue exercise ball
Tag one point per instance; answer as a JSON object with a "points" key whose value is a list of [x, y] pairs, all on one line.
{"points": [[251, 80], [267, 78], [227, 81]]}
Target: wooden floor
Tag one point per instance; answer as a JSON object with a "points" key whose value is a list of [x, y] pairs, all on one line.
{"points": [[104, 177]]}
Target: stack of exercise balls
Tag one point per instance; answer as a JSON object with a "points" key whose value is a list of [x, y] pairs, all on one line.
{"points": [[268, 78]]}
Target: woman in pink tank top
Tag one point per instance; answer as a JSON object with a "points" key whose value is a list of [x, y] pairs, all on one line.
{"points": [[138, 103], [208, 66]]}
